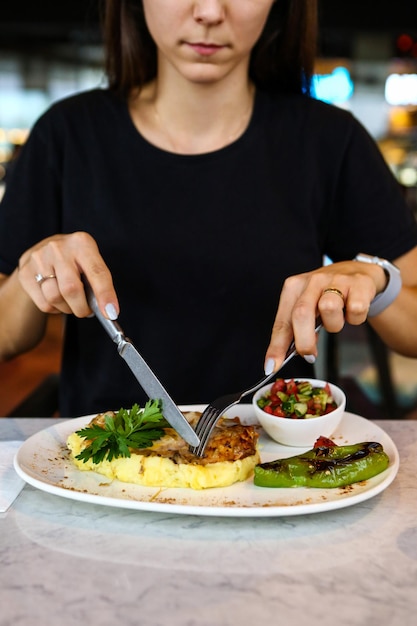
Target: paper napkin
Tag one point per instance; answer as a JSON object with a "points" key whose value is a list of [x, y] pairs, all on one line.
{"points": [[10, 483]]}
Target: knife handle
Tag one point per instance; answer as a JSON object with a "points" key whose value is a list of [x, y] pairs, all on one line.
{"points": [[112, 328]]}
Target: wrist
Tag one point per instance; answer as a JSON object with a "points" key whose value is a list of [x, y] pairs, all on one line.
{"points": [[392, 285]]}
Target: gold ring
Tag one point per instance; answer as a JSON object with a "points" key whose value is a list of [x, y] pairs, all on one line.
{"points": [[334, 290], [40, 278]]}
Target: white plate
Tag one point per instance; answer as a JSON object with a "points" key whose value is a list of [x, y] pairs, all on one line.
{"points": [[43, 461]]}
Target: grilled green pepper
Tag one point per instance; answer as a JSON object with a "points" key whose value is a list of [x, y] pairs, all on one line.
{"points": [[324, 467]]}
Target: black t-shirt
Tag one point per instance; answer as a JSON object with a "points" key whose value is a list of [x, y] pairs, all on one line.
{"points": [[198, 245]]}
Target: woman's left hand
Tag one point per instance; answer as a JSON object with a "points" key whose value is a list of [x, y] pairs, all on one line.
{"points": [[337, 293]]}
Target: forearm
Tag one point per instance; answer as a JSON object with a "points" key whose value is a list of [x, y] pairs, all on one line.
{"points": [[397, 325], [22, 324]]}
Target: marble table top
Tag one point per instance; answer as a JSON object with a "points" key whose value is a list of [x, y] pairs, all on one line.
{"points": [[67, 562]]}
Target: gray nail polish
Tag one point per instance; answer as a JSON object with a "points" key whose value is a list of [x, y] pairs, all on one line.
{"points": [[310, 358], [111, 311], [269, 367]]}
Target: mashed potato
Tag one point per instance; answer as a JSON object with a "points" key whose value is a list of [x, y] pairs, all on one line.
{"points": [[230, 457]]}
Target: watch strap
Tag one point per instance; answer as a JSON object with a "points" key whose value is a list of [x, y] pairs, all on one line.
{"points": [[393, 286]]}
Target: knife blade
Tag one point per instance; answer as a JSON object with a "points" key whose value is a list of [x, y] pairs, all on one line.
{"points": [[142, 372]]}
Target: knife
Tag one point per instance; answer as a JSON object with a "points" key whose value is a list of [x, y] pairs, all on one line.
{"points": [[143, 373]]}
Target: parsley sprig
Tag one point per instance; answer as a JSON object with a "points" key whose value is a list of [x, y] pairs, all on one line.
{"points": [[129, 428]]}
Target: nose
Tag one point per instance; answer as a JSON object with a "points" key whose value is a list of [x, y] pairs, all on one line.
{"points": [[209, 12]]}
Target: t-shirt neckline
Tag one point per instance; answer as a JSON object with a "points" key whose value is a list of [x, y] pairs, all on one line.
{"points": [[233, 145]]}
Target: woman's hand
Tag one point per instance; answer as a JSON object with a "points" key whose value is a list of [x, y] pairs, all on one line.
{"points": [[50, 273], [337, 293]]}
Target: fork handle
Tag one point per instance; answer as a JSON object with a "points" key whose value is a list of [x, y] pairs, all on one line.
{"points": [[291, 352]]}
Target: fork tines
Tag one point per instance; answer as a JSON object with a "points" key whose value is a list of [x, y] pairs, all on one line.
{"points": [[217, 408], [204, 428]]}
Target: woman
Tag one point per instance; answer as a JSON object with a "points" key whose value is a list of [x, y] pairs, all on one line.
{"points": [[198, 194]]}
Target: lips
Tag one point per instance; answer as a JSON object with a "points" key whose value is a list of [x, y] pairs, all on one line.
{"points": [[205, 49]]}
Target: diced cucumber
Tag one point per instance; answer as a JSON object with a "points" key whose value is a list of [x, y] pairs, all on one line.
{"points": [[300, 409], [303, 397]]}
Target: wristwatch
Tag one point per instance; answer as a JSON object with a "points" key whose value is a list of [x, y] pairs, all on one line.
{"points": [[392, 289]]}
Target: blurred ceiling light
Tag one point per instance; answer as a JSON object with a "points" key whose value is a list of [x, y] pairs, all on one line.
{"points": [[17, 136], [408, 176], [401, 89], [334, 88], [405, 42]]}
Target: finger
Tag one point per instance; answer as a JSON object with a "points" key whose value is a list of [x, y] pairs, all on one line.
{"points": [[281, 338], [92, 265], [305, 345], [331, 306], [51, 292], [66, 292], [285, 325], [67, 257], [41, 302], [29, 280], [358, 301], [304, 317], [349, 303], [81, 256], [101, 284]]}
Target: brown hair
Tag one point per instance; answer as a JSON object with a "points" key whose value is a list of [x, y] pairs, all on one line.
{"points": [[281, 61]]}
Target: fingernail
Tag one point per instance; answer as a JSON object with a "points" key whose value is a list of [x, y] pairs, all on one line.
{"points": [[310, 358], [111, 311], [269, 366]]}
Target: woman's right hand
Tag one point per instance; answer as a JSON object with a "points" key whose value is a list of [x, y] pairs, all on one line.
{"points": [[62, 259]]}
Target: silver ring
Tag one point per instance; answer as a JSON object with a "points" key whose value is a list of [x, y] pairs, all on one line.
{"points": [[40, 278]]}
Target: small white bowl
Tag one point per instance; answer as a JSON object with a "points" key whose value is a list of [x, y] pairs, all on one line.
{"points": [[301, 433]]}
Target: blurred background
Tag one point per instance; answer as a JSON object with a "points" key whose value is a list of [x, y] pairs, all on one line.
{"points": [[366, 63]]}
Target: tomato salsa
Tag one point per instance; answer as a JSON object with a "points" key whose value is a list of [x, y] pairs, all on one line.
{"points": [[297, 399]]}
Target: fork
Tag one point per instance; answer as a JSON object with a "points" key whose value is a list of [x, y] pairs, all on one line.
{"points": [[218, 407]]}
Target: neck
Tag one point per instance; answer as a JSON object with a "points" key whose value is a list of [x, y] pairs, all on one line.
{"points": [[193, 118]]}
